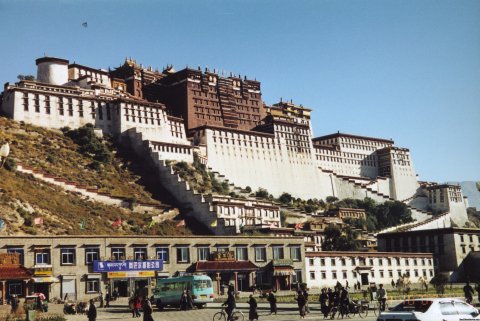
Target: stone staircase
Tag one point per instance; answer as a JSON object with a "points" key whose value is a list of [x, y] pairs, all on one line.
{"points": [[363, 185], [192, 204], [93, 194]]}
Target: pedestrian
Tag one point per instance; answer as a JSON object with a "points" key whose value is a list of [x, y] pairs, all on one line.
{"points": [[301, 303], [324, 302], [137, 306], [358, 285], [147, 309], [252, 311], [189, 300], [273, 302], [183, 301], [92, 311], [393, 284], [108, 297], [131, 305], [468, 291], [477, 288], [254, 288], [101, 300], [382, 297], [14, 303], [306, 296], [346, 285]]}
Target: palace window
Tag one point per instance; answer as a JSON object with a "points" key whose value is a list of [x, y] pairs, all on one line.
{"points": [[140, 253], [91, 254], [296, 253], [183, 255], [162, 254], [278, 252], [67, 256], [70, 107], [93, 286], [36, 103], [60, 106], [312, 275], [242, 253], [260, 254], [42, 257], [118, 253], [19, 251], [203, 253]]}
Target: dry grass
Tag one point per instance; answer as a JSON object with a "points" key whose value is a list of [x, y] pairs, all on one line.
{"points": [[23, 198], [56, 154]]}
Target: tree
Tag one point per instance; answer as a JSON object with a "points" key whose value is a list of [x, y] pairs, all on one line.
{"points": [[285, 198], [26, 77], [331, 199], [261, 192], [88, 143], [339, 240]]}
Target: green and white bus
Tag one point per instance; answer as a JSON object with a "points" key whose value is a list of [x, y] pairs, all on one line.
{"points": [[168, 291]]}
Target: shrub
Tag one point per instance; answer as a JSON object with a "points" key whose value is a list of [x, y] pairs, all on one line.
{"points": [[261, 192], [10, 164]]}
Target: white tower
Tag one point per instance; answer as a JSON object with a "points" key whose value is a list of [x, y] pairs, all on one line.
{"points": [[52, 70]]}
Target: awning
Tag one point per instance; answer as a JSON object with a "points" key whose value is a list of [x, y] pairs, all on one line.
{"points": [[45, 279], [225, 266], [14, 272], [282, 271]]}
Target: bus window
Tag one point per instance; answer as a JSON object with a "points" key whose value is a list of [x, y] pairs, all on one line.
{"points": [[202, 284]]}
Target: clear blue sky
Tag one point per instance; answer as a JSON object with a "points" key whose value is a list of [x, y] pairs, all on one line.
{"points": [[406, 70]]}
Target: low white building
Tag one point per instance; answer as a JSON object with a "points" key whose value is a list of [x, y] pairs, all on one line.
{"points": [[324, 269]]}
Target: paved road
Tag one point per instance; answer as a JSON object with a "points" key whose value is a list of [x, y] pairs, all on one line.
{"points": [[287, 314]]}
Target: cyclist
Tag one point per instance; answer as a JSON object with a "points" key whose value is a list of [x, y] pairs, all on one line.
{"points": [[381, 297], [344, 302], [230, 303]]}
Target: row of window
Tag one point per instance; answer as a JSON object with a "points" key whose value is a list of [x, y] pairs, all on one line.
{"points": [[371, 261], [381, 273], [68, 255]]}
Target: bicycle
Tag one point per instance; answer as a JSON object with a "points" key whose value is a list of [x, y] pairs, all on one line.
{"points": [[222, 315], [377, 308]]}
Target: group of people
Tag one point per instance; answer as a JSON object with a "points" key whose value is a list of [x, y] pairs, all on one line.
{"points": [[138, 303], [332, 301]]}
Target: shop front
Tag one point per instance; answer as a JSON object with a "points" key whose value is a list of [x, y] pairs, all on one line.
{"points": [[42, 280], [129, 277], [282, 272], [223, 269], [14, 278]]}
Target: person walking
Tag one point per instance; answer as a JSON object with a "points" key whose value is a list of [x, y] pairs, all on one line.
{"points": [[477, 288], [189, 300], [323, 298], [147, 309], [92, 311], [382, 297], [301, 303], [14, 303], [273, 302], [108, 298], [468, 291], [183, 301], [137, 305], [306, 295], [252, 310]]}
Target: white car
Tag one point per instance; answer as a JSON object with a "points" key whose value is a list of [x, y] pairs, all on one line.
{"points": [[431, 310]]}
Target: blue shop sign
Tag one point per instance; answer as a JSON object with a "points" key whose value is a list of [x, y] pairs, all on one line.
{"points": [[127, 265]]}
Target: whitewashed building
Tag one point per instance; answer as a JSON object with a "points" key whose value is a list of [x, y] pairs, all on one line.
{"points": [[324, 269]]}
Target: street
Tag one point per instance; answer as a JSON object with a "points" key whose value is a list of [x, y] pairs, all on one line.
{"points": [[287, 314]]}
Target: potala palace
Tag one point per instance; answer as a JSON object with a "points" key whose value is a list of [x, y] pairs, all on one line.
{"points": [[170, 115]]}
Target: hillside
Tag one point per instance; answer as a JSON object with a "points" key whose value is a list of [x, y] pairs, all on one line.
{"points": [[24, 198]]}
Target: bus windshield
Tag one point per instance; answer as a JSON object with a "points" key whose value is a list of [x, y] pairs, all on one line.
{"points": [[202, 284]]}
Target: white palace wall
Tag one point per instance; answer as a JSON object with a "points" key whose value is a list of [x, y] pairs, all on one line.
{"points": [[262, 161]]}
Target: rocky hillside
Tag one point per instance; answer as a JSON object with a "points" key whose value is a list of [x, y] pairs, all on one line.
{"points": [[32, 206]]}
